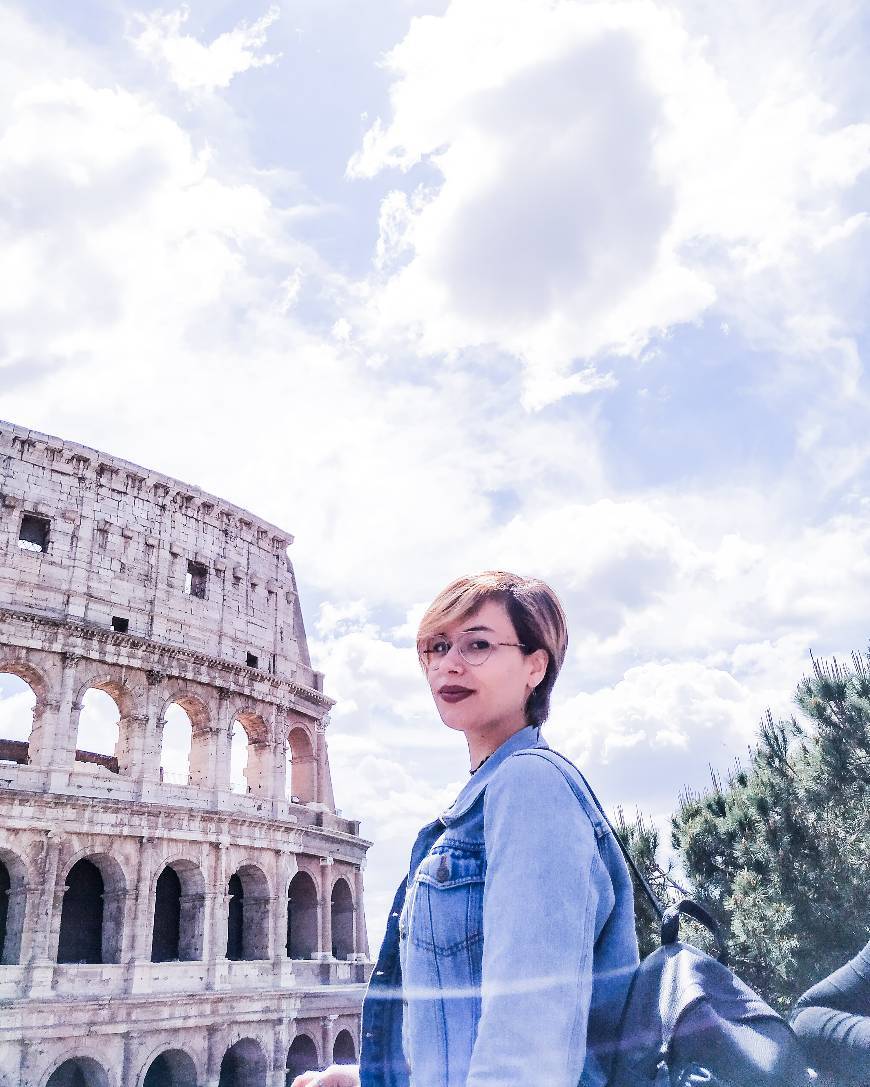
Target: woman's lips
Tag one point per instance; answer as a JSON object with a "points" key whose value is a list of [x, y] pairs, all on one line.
{"points": [[454, 694]]}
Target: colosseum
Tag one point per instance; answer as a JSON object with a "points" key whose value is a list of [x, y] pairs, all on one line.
{"points": [[184, 913]]}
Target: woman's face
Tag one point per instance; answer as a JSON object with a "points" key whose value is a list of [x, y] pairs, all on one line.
{"points": [[492, 695]]}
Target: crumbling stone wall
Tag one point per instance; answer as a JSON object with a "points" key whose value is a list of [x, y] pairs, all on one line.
{"points": [[116, 578]]}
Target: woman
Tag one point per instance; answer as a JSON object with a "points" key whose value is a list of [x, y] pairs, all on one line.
{"points": [[832, 1019], [511, 945]]}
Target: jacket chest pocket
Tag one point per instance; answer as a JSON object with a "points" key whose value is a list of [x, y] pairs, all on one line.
{"points": [[446, 914]]}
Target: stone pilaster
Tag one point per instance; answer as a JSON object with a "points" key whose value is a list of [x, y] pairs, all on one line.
{"points": [[40, 967], [139, 962]]}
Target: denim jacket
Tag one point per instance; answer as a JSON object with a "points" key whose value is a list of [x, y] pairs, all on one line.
{"points": [[511, 945]]}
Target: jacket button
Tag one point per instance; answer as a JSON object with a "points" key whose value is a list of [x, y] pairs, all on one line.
{"points": [[443, 872]]}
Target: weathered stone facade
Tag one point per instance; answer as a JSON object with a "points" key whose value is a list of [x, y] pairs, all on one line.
{"points": [[157, 931]]}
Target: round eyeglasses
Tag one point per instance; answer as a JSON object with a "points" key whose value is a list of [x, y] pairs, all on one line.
{"points": [[474, 648]]}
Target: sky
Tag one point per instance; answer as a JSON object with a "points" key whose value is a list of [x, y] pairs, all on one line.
{"points": [[572, 288]]}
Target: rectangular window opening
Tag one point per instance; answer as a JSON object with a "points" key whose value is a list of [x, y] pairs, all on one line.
{"points": [[194, 583], [120, 624], [33, 534], [253, 660]]}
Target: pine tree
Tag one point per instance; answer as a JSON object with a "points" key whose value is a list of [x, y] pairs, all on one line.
{"points": [[779, 851]]}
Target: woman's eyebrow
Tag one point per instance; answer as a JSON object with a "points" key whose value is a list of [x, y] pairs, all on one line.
{"points": [[468, 630]]}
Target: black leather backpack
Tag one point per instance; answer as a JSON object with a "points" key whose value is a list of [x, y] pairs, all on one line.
{"points": [[688, 1020]]}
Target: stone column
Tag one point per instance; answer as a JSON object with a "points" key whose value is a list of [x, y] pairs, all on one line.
{"points": [[327, 1041], [215, 1056], [139, 964], [324, 780], [360, 936], [131, 746], [40, 968], [324, 912], [30, 1059], [259, 772], [152, 747], [17, 927], [321, 789], [218, 904], [221, 741], [53, 739], [280, 1045], [282, 964], [40, 747], [203, 747], [279, 767]]}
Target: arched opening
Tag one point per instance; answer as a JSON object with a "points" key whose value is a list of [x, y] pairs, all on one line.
{"points": [[238, 758], [78, 1072], [251, 768], [301, 767], [98, 730], [176, 746], [5, 888], [81, 919], [343, 1049], [167, 917], [92, 912], [342, 920], [178, 913], [236, 924], [13, 902], [301, 1057], [243, 1065], [301, 917], [174, 1068], [17, 704], [248, 921]]}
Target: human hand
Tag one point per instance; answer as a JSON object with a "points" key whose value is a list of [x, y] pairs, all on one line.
{"points": [[337, 1075]]}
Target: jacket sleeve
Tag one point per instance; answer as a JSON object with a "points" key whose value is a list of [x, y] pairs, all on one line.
{"points": [[545, 885], [832, 1019]]}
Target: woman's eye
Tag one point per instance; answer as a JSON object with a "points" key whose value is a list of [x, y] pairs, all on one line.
{"points": [[439, 649], [480, 643]]}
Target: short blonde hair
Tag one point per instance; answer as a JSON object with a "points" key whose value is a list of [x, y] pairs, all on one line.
{"points": [[533, 608]]}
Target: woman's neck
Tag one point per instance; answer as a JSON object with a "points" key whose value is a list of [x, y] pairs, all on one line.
{"points": [[483, 744]]}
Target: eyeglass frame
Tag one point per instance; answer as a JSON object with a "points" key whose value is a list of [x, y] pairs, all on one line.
{"points": [[423, 654]]}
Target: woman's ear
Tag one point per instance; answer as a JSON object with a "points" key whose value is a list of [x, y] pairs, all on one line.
{"points": [[539, 660]]}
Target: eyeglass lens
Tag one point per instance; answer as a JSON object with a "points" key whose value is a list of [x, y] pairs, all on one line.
{"points": [[474, 648]]}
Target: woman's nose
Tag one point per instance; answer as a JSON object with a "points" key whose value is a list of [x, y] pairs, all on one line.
{"points": [[453, 659]]}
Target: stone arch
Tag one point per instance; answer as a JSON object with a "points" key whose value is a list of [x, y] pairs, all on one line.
{"points": [[179, 912], [169, 1068], [202, 714], [13, 906], [17, 748], [78, 1072], [302, 1057], [302, 766], [249, 908], [253, 723], [255, 775], [302, 917], [344, 1048], [92, 910], [341, 907], [87, 746], [176, 744], [244, 1065]]}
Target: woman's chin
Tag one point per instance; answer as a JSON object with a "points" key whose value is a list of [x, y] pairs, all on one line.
{"points": [[453, 717]]}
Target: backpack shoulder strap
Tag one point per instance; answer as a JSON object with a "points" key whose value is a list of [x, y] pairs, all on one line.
{"points": [[559, 761]]}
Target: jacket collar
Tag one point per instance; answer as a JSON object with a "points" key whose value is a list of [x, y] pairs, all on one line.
{"points": [[526, 737]]}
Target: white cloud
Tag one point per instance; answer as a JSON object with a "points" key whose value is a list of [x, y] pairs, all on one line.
{"points": [[195, 67], [159, 285], [16, 709], [597, 174]]}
